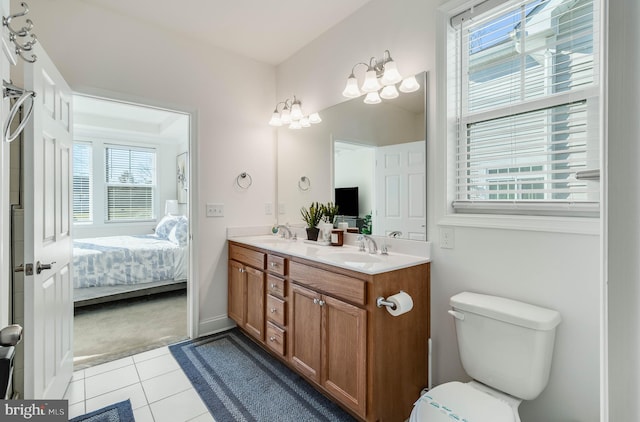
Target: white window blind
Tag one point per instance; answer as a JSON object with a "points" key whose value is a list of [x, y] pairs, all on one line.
{"points": [[130, 183], [82, 182], [526, 97]]}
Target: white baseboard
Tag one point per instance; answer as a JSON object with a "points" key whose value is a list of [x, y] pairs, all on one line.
{"points": [[215, 325]]}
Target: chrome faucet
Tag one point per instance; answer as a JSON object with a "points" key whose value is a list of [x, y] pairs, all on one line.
{"points": [[371, 243], [286, 233], [395, 234]]}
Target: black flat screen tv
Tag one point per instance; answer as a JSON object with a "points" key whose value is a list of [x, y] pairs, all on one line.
{"points": [[347, 201]]}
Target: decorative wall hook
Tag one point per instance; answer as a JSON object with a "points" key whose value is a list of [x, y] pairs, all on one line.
{"points": [[24, 32], [304, 184], [12, 91]]}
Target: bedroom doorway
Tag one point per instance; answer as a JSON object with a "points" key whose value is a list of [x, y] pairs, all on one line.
{"points": [[131, 228]]}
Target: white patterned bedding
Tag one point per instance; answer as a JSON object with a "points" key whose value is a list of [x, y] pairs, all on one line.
{"points": [[118, 260]]}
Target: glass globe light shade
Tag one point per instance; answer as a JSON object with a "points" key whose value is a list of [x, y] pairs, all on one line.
{"points": [[391, 74], [389, 92], [285, 116], [372, 98], [275, 119], [352, 90], [295, 125], [296, 111], [314, 118], [409, 84], [304, 122], [371, 83]]}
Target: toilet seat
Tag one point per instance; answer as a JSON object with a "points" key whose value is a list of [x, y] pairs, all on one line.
{"points": [[456, 401]]}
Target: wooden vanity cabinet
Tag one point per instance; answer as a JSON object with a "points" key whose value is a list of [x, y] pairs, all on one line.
{"points": [[246, 290], [323, 322], [329, 335]]}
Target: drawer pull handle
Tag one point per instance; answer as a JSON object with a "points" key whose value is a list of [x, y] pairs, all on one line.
{"points": [[273, 264], [273, 285], [241, 270], [273, 310], [321, 302], [272, 338], [315, 301]]}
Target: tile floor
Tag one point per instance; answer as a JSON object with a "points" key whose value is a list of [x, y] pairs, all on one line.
{"points": [[154, 382]]}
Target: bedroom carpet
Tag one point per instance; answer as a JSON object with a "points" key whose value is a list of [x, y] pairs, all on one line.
{"points": [[114, 330], [239, 381]]}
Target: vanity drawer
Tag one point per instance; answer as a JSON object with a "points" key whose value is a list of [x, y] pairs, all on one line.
{"points": [[276, 338], [276, 310], [276, 264], [275, 286], [338, 285], [247, 256]]}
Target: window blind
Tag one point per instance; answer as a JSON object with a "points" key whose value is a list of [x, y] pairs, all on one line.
{"points": [[130, 183], [82, 183], [527, 108]]}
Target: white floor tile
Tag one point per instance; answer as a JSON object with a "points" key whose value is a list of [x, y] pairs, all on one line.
{"points": [[166, 385], [110, 381], [134, 392], [156, 366], [180, 407], [151, 354], [143, 414], [78, 375], [109, 366], [205, 417], [76, 409], [75, 392]]}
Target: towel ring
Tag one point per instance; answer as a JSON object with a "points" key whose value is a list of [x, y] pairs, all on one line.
{"points": [[244, 180], [13, 91], [304, 183]]}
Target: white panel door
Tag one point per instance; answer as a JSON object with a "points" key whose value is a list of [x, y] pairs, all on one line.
{"points": [[48, 293], [401, 190]]}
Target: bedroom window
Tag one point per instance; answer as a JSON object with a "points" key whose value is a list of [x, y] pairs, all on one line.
{"points": [[526, 107], [130, 183], [82, 182]]}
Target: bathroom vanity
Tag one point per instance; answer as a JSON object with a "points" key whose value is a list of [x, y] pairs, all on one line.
{"points": [[314, 308]]}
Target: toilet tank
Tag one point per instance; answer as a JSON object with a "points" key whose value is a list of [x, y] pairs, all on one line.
{"points": [[504, 343]]}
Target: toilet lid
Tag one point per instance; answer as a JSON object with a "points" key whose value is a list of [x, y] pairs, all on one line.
{"points": [[455, 401]]}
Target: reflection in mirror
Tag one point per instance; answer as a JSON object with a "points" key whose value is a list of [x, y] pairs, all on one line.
{"points": [[378, 148]]}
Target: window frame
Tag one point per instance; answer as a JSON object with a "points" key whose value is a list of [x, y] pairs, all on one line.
{"points": [[444, 150], [454, 126]]}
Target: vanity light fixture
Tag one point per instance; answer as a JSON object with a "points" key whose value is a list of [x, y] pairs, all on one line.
{"points": [[380, 81], [291, 114]]}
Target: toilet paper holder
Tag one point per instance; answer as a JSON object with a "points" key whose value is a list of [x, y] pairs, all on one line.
{"points": [[381, 301]]}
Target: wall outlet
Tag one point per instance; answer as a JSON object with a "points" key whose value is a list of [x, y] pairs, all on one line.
{"points": [[281, 208], [215, 210], [446, 237], [268, 208]]}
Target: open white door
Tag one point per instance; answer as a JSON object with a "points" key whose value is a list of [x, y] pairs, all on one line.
{"points": [[48, 247], [401, 190]]}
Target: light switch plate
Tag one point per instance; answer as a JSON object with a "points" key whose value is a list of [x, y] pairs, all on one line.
{"points": [[215, 210]]}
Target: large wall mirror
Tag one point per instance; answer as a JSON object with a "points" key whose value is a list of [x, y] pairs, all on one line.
{"points": [[380, 149]]}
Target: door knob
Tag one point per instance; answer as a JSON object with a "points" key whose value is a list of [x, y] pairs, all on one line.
{"points": [[40, 267]]}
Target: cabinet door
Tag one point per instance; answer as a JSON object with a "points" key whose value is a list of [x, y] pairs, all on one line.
{"points": [[344, 352], [236, 298], [254, 322], [305, 321]]}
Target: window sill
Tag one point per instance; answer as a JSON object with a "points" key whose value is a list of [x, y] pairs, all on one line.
{"points": [[573, 225]]}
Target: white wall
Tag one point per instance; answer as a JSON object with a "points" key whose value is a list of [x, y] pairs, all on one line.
{"points": [[100, 53], [553, 269], [623, 223]]}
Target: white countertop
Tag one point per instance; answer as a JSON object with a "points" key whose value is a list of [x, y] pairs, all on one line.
{"points": [[346, 256]]}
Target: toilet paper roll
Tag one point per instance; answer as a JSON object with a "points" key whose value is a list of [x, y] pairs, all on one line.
{"points": [[403, 303]]}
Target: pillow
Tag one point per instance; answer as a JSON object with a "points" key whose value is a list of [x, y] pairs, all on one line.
{"points": [[165, 225], [179, 233]]}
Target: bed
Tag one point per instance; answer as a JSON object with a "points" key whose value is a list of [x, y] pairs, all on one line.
{"points": [[122, 263]]}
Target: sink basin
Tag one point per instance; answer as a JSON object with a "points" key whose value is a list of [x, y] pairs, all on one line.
{"points": [[353, 257]]}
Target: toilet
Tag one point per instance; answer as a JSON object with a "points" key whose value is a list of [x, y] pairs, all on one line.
{"points": [[506, 346]]}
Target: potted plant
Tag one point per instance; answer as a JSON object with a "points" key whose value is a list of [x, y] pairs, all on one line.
{"points": [[330, 212], [312, 217]]}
